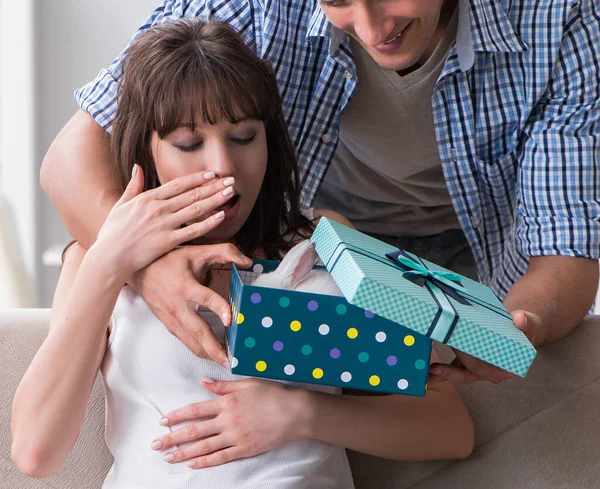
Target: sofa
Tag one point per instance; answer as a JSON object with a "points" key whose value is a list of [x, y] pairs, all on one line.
{"points": [[542, 432]]}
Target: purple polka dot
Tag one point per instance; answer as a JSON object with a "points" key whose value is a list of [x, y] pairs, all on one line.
{"points": [[392, 360], [313, 305], [369, 314], [255, 298], [335, 353], [278, 346]]}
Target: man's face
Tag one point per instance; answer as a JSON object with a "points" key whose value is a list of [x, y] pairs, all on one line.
{"points": [[396, 33]]}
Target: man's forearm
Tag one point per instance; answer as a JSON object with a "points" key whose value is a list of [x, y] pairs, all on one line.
{"points": [[559, 289], [76, 176]]}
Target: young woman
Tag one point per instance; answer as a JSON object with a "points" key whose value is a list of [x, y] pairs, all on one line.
{"points": [[201, 147]]}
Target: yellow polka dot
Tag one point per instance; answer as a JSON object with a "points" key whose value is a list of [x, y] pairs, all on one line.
{"points": [[295, 325], [409, 340], [352, 333], [317, 373], [261, 366], [374, 380], [240, 318], [426, 387]]}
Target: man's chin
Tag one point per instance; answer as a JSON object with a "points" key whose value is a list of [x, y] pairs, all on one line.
{"points": [[398, 62]]}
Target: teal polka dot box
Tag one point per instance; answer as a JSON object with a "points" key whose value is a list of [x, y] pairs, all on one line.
{"points": [[378, 336]]}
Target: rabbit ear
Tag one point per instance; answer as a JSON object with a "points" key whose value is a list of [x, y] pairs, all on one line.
{"points": [[298, 262]]}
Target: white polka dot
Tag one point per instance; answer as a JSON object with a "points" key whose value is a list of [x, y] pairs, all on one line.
{"points": [[258, 268], [289, 369], [324, 329], [234, 362], [346, 377], [380, 337], [267, 322], [402, 384]]}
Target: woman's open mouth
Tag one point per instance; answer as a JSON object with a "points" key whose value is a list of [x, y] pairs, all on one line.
{"points": [[230, 208]]}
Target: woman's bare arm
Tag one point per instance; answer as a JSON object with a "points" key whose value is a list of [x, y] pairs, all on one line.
{"points": [[50, 402]]}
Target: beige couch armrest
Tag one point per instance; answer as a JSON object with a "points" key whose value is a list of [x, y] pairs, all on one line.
{"points": [[22, 331]]}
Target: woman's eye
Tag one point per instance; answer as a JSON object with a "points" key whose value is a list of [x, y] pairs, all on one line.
{"points": [[187, 149], [244, 141]]}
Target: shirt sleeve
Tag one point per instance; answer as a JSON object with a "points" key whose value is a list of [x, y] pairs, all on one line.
{"points": [[99, 97], [559, 174]]}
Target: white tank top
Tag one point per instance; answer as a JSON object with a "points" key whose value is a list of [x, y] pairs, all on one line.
{"points": [[148, 372]]}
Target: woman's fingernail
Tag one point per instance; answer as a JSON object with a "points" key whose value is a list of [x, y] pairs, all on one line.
{"points": [[226, 364], [209, 175], [225, 318], [228, 191], [228, 182], [192, 463], [435, 371], [156, 444], [134, 170], [219, 215], [208, 380], [169, 457], [163, 421]]}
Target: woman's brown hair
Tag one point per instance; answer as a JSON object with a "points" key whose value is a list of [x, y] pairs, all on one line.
{"points": [[190, 72]]}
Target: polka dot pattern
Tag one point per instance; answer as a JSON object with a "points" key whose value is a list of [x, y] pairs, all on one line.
{"points": [[301, 337]]}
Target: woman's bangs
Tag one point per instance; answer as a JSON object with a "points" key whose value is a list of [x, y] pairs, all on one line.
{"points": [[210, 97]]}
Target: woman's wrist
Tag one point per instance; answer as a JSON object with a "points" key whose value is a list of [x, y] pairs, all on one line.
{"points": [[105, 265], [303, 413]]}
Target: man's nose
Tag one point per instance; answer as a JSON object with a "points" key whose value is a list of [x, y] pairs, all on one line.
{"points": [[372, 25]]}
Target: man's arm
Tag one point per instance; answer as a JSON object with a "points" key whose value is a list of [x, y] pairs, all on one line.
{"points": [[560, 290], [76, 176]]}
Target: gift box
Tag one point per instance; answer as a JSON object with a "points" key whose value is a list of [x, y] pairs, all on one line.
{"points": [[378, 336]]}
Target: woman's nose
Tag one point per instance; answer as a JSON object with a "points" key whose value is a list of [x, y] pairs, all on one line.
{"points": [[222, 161], [372, 25]]}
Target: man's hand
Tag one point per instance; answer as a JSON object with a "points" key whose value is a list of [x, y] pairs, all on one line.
{"points": [[249, 417], [467, 369], [172, 288]]}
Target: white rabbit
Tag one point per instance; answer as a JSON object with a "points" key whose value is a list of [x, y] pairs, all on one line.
{"points": [[295, 272]]}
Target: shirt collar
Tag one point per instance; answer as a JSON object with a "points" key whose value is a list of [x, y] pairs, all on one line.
{"points": [[483, 26]]}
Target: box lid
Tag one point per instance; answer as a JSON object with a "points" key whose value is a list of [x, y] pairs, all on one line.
{"points": [[467, 316]]}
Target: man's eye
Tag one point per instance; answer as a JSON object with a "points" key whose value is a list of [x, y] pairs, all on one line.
{"points": [[187, 149], [332, 3], [244, 141]]}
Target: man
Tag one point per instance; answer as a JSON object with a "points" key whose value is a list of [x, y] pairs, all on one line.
{"points": [[463, 131]]}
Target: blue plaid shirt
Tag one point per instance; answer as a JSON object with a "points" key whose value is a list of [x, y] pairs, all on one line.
{"points": [[516, 110]]}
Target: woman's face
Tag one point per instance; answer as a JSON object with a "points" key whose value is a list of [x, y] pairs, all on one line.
{"points": [[229, 150]]}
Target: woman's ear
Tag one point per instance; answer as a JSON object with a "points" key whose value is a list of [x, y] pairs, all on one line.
{"points": [[298, 263]]}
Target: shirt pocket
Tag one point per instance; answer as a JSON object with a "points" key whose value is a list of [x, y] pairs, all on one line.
{"points": [[497, 184]]}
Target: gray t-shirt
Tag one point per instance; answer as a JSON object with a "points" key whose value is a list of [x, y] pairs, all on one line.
{"points": [[386, 175]]}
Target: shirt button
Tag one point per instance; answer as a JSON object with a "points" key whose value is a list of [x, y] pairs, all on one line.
{"points": [[326, 138], [348, 75]]}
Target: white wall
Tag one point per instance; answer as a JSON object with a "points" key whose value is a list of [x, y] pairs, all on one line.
{"points": [[73, 41]]}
